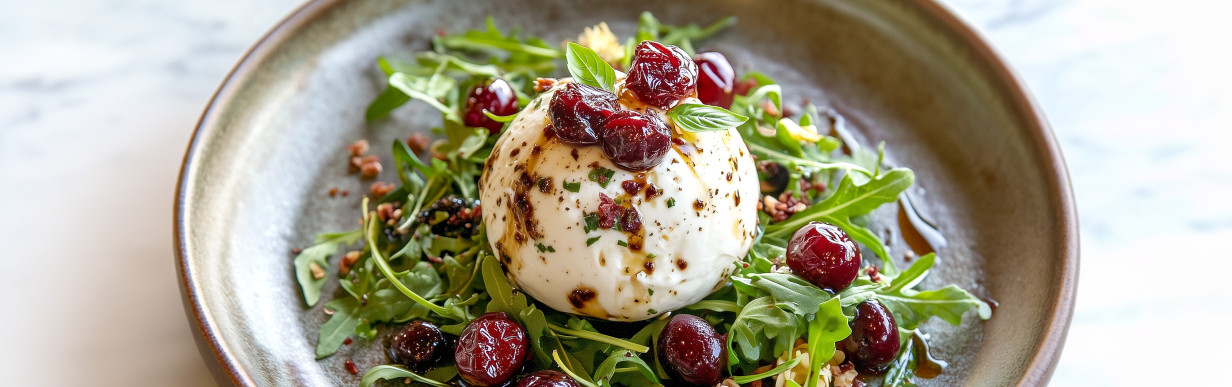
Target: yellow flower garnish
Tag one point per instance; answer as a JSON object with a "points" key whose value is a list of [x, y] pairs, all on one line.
{"points": [[801, 133], [601, 39]]}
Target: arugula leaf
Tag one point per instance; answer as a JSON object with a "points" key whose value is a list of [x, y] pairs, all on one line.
{"points": [[340, 325], [850, 200], [492, 38], [649, 28], [914, 274], [695, 117], [761, 331], [429, 90], [910, 307], [828, 327], [606, 370], [391, 98], [389, 372], [373, 228], [325, 246], [791, 291], [504, 299], [589, 68], [564, 367]]}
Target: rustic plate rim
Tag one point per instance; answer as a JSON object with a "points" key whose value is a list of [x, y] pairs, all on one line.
{"points": [[225, 368]]}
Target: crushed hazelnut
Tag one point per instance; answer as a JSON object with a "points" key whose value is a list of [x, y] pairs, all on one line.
{"points": [[348, 261], [543, 84], [317, 271], [370, 167], [782, 208], [418, 142], [389, 213], [358, 148], [380, 189]]}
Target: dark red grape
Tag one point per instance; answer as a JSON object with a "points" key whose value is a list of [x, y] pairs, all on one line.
{"points": [[692, 350], [874, 337], [495, 96], [636, 141], [491, 350], [577, 112], [547, 378], [715, 79], [419, 346], [661, 75], [824, 255]]}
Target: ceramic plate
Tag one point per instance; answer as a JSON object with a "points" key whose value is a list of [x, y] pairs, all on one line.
{"points": [[273, 141]]}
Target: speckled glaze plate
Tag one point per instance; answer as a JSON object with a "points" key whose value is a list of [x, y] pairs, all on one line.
{"points": [[273, 141]]}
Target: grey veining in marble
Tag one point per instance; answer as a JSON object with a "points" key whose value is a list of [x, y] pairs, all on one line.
{"points": [[98, 98]]}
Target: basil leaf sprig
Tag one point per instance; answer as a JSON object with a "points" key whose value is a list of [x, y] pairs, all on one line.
{"points": [[589, 68], [695, 117]]}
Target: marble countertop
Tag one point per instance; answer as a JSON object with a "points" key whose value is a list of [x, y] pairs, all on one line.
{"points": [[98, 98]]}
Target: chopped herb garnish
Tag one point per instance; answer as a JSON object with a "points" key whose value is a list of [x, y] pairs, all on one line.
{"points": [[671, 202], [651, 291], [572, 186], [543, 248], [592, 222], [591, 241], [622, 243], [651, 311], [601, 175], [551, 249]]}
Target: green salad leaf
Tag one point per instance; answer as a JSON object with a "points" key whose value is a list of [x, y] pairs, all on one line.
{"points": [[827, 328], [325, 246], [911, 307], [392, 372]]}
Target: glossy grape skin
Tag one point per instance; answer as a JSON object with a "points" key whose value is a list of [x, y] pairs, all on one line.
{"points": [[636, 141], [661, 75], [547, 378], [577, 112], [692, 351], [716, 79], [496, 97], [491, 350], [419, 346], [824, 255], [874, 338]]}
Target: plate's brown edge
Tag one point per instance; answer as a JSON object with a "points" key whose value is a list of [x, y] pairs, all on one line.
{"points": [[1038, 372], [1044, 362], [209, 343]]}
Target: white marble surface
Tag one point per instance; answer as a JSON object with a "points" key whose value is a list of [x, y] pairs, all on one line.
{"points": [[98, 98]]}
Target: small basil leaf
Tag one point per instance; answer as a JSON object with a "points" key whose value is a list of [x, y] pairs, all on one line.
{"points": [[694, 117], [589, 68]]}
